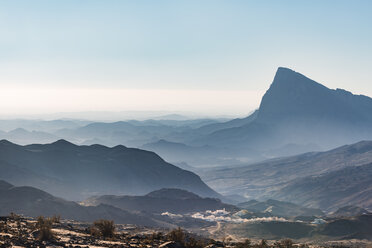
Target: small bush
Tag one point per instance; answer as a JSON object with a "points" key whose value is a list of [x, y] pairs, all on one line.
{"points": [[192, 242], [157, 235], [263, 244], [3, 227], [44, 226], [103, 228], [14, 216], [246, 244], [177, 235], [185, 239], [56, 219], [286, 243]]}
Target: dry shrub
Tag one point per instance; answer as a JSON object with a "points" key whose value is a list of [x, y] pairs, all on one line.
{"points": [[246, 244], [185, 239], [177, 235], [14, 216], [44, 226], [103, 228], [263, 244], [56, 219]]}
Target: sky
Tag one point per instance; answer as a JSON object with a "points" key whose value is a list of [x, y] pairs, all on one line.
{"points": [[206, 57]]}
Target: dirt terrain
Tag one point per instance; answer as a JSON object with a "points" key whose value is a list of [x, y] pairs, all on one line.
{"points": [[18, 232]]}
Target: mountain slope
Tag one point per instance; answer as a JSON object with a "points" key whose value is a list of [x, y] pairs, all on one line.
{"points": [[294, 96], [280, 208], [351, 185], [179, 152], [349, 211], [265, 179], [76, 172], [175, 201], [213, 127]]}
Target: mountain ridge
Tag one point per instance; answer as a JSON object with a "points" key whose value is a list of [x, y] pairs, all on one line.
{"points": [[175, 201], [64, 168]]}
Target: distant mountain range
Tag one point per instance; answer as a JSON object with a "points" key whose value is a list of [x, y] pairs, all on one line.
{"points": [[296, 115], [30, 201], [23, 136], [76, 172], [174, 201], [326, 180], [280, 208]]}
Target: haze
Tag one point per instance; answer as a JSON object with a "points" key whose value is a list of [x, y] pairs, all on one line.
{"points": [[209, 57]]}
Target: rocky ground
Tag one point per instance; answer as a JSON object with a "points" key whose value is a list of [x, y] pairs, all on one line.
{"points": [[17, 231], [22, 232]]}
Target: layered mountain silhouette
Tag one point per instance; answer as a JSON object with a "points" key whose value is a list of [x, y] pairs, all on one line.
{"points": [[76, 172], [175, 201], [296, 115], [30, 201]]}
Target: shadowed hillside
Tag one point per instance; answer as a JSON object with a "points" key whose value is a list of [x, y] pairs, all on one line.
{"points": [[76, 172]]}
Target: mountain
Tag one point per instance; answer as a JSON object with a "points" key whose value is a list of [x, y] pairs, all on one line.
{"points": [[76, 172], [293, 96], [358, 227], [23, 136], [300, 112], [175, 201], [40, 125], [178, 152], [309, 179], [351, 185], [280, 208], [213, 127], [192, 123], [33, 202], [349, 211], [133, 133]]}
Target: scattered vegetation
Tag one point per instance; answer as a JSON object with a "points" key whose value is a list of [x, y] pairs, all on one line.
{"points": [[187, 240], [26, 232]]}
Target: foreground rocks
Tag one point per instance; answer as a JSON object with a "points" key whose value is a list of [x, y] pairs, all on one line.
{"points": [[17, 231]]}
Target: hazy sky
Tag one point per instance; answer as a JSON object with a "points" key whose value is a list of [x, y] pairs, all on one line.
{"points": [[210, 57]]}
